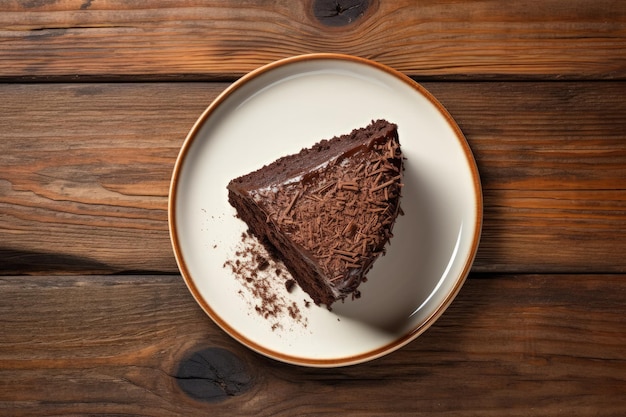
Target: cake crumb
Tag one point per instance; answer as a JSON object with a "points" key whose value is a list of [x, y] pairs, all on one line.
{"points": [[262, 263], [290, 284], [262, 277]]}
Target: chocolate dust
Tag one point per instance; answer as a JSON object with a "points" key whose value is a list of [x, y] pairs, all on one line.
{"points": [[265, 283]]}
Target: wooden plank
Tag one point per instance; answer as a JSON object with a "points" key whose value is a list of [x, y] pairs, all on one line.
{"points": [[508, 345], [542, 135], [196, 39], [86, 169], [553, 231], [91, 173]]}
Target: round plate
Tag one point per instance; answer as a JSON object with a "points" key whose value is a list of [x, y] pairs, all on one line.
{"points": [[278, 110]]}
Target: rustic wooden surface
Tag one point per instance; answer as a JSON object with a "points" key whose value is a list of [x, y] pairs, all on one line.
{"points": [[96, 99], [226, 38], [508, 345]]}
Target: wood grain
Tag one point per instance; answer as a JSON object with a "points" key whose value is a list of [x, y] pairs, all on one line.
{"points": [[91, 171], [94, 316], [107, 39], [509, 345], [86, 170], [553, 231]]}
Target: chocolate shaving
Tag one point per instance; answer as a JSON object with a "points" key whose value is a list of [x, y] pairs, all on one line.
{"points": [[291, 203], [386, 184], [348, 185], [324, 188], [344, 220], [344, 252], [348, 259]]}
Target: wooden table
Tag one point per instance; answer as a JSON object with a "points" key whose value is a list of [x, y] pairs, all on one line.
{"points": [[96, 98]]}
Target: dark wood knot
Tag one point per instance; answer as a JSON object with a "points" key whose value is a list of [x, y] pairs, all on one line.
{"points": [[212, 375], [339, 12]]}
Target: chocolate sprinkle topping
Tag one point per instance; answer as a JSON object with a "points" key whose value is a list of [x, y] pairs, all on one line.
{"points": [[343, 214]]}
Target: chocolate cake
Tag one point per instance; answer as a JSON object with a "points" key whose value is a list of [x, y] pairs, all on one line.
{"points": [[327, 211]]}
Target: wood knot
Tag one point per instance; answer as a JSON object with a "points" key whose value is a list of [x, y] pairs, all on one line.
{"points": [[339, 12], [212, 375]]}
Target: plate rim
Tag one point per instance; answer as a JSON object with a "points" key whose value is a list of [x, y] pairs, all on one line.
{"points": [[294, 359]]}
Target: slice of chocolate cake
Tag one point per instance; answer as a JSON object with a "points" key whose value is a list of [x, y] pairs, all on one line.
{"points": [[329, 210]]}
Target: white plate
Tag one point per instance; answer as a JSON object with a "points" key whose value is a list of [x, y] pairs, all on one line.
{"points": [[279, 109]]}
